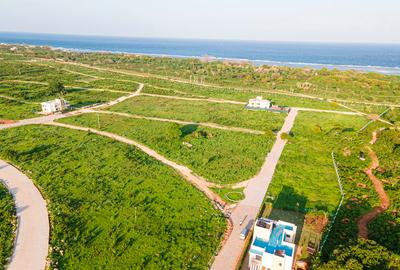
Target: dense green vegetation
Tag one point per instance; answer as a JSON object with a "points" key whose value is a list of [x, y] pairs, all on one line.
{"points": [[201, 111], [361, 196], [111, 206], [12, 109], [361, 254], [305, 180], [218, 155], [7, 224]]}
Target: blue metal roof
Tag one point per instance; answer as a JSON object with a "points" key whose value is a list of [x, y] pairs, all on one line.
{"points": [[275, 241]]}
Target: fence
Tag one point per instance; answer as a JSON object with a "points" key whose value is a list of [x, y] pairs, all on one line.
{"points": [[340, 204]]}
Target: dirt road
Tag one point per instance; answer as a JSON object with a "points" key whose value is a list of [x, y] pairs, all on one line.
{"points": [[384, 198]]}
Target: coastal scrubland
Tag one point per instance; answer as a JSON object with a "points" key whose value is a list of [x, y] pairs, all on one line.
{"points": [[324, 83], [111, 206], [7, 225]]}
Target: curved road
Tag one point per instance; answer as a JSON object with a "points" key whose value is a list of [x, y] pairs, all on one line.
{"points": [[31, 244]]}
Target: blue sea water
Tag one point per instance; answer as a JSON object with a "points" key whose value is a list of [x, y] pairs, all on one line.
{"points": [[383, 58]]}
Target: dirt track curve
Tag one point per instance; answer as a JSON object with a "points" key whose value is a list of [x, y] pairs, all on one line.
{"points": [[384, 198]]}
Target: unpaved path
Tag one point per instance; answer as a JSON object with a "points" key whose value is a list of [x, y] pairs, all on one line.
{"points": [[211, 125], [384, 198], [375, 135], [197, 181], [120, 99], [31, 243]]}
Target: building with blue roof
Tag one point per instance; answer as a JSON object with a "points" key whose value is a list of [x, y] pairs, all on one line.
{"points": [[272, 245]]}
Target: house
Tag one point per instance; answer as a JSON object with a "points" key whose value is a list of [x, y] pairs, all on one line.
{"points": [[53, 106], [259, 103], [272, 246]]}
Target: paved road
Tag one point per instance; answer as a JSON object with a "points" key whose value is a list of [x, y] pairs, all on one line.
{"points": [[255, 192], [31, 245]]}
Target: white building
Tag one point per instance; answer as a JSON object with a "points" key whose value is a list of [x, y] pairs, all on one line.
{"points": [[272, 246], [53, 106], [259, 103]]}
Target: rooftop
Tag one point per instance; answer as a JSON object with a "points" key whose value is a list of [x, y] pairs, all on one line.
{"points": [[274, 245]]}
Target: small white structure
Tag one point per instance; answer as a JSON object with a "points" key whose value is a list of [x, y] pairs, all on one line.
{"points": [[272, 245], [259, 103], [53, 106]]}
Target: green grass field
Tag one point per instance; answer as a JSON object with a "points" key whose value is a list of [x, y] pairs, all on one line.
{"points": [[220, 156], [111, 206], [201, 111], [305, 175], [7, 221], [11, 109]]}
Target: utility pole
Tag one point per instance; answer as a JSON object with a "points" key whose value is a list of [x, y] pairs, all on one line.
{"points": [[98, 121]]}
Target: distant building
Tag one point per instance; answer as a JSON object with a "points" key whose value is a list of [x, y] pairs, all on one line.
{"points": [[259, 103], [53, 106], [272, 246]]}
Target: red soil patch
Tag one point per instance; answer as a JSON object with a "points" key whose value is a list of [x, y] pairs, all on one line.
{"points": [[5, 122], [385, 202], [361, 185], [317, 222]]}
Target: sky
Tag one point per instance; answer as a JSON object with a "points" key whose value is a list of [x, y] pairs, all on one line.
{"points": [[270, 20]]}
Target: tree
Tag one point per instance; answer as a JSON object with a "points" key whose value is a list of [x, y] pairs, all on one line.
{"points": [[56, 88], [365, 254], [284, 136]]}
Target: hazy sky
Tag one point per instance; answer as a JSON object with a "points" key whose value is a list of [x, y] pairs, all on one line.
{"points": [[278, 20]]}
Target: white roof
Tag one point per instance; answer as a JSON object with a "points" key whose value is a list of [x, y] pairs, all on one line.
{"points": [[54, 101]]}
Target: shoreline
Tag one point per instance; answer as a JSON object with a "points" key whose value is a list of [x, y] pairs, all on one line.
{"points": [[255, 62]]}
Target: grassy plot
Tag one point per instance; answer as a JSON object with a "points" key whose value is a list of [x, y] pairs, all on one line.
{"points": [[77, 97], [81, 97], [111, 206], [231, 195], [202, 111], [14, 110], [189, 90], [220, 156], [7, 225], [305, 177]]}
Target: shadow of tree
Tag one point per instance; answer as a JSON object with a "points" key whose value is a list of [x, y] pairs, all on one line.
{"points": [[188, 129]]}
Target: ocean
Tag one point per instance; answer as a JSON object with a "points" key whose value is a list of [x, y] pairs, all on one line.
{"points": [[382, 58]]}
